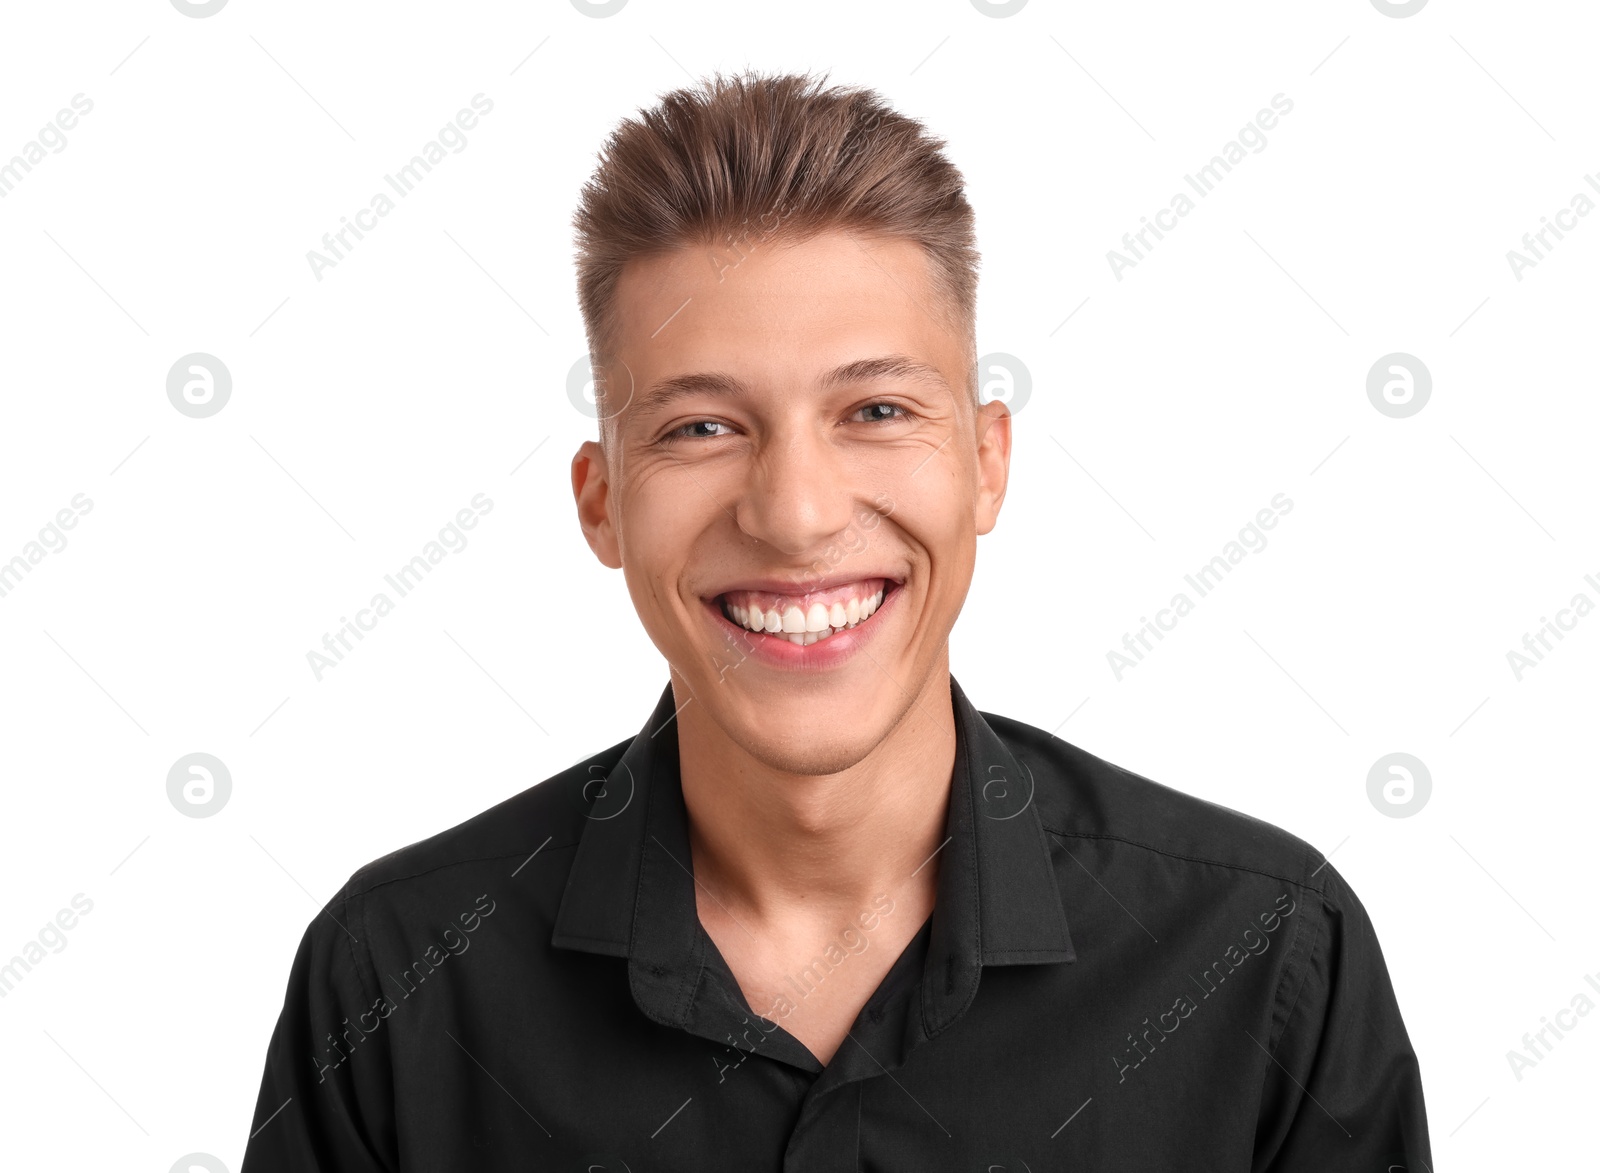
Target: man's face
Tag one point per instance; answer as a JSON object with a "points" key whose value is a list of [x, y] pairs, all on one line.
{"points": [[794, 446]]}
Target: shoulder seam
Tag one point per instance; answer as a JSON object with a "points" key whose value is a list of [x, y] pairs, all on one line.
{"points": [[359, 910], [1305, 972], [352, 890], [1180, 855]]}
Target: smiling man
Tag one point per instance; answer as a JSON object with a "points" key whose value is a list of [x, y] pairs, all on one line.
{"points": [[821, 912]]}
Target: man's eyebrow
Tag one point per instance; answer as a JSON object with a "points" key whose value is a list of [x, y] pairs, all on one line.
{"points": [[861, 370], [664, 391], [888, 366]]}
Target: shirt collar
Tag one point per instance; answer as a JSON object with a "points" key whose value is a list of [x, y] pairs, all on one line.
{"points": [[630, 892]]}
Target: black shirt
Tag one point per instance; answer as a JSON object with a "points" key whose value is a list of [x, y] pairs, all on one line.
{"points": [[1116, 975]]}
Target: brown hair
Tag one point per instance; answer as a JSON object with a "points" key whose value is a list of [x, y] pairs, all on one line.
{"points": [[733, 162]]}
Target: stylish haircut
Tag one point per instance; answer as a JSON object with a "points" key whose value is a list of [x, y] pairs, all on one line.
{"points": [[733, 164]]}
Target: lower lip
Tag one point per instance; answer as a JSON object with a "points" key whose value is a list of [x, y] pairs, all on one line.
{"points": [[780, 653]]}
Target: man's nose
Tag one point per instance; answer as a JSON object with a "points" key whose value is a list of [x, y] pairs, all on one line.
{"points": [[798, 493]]}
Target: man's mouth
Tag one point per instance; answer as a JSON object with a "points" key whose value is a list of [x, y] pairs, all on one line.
{"points": [[806, 618]]}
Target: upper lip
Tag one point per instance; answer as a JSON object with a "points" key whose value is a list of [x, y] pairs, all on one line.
{"points": [[791, 587]]}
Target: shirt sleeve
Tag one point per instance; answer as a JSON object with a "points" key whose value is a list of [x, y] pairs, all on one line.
{"points": [[327, 1095], [1342, 1088]]}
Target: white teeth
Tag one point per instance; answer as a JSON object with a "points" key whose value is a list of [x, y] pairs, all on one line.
{"points": [[819, 621]]}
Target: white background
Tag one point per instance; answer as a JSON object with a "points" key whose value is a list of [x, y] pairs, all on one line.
{"points": [[431, 364]]}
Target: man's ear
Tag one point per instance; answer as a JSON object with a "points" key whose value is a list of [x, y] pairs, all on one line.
{"points": [[994, 462], [591, 489]]}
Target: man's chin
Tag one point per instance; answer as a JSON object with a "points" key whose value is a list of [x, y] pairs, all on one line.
{"points": [[809, 754]]}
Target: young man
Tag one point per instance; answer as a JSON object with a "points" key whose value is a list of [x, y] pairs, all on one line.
{"points": [[821, 913]]}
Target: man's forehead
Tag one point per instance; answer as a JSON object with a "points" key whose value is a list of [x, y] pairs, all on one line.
{"points": [[778, 284]]}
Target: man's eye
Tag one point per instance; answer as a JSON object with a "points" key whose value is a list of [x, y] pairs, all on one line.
{"points": [[876, 413], [694, 431]]}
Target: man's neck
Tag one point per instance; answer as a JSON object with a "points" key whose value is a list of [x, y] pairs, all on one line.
{"points": [[772, 847]]}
